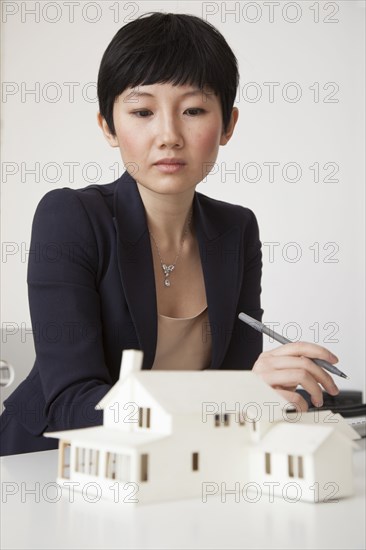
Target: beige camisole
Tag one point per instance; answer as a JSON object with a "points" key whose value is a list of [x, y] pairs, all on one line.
{"points": [[184, 343]]}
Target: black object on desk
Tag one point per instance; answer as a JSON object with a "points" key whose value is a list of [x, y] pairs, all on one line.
{"points": [[345, 398], [348, 403]]}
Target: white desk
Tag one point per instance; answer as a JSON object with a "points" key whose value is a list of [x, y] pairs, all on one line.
{"points": [[28, 524]]}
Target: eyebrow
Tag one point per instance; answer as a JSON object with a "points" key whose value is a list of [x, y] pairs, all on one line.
{"points": [[186, 94]]}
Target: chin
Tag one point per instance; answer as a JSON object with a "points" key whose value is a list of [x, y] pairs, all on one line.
{"points": [[170, 189], [168, 185]]}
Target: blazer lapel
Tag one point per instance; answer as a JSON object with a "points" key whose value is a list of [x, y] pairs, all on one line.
{"points": [[222, 264], [136, 264]]}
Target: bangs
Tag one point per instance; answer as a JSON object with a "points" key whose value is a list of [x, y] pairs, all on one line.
{"points": [[167, 48]]}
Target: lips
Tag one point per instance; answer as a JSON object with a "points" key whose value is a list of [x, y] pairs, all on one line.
{"points": [[169, 168], [172, 161]]}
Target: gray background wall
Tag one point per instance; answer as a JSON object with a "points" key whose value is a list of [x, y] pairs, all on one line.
{"points": [[301, 101]]}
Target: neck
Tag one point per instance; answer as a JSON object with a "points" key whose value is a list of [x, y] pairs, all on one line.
{"points": [[167, 215]]}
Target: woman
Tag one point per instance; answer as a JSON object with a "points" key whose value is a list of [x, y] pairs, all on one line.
{"points": [[146, 262]]}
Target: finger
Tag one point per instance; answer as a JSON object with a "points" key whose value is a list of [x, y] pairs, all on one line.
{"points": [[289, 388], [288, 378], [295, 399], [307, 349], [267, 363]]}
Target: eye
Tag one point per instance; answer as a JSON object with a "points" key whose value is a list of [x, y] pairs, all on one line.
{"points": [[197, 111], [136, 113], [145, 113]]}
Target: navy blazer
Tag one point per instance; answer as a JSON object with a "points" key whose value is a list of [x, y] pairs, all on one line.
{"points": [[92, 294]]}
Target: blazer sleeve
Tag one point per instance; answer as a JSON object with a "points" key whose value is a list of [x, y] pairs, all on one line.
{"points": [[246, 343], [65, 311], [252, 279]]}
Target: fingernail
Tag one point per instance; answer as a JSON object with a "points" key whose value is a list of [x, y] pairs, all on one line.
{"points": [[320, 404]]}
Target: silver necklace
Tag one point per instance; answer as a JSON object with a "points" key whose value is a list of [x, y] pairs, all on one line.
{"points": [[168, 268]]}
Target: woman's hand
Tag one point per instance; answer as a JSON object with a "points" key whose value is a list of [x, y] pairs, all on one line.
{"points": [[287, 366]]}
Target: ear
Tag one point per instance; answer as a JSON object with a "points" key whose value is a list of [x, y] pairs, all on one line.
{"points": [[112, 140], [225, 137]]}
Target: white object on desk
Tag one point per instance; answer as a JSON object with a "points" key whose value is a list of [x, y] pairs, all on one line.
{"points": [[37, 514], [358, 423], [6, 373], [182, 434]]}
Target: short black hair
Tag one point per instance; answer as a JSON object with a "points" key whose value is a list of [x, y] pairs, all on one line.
{"points": [[167, 47]]}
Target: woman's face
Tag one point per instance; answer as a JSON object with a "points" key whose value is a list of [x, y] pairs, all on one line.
{"points": [[160, 121]]}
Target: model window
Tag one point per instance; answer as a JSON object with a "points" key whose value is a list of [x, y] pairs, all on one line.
{"points": [[241, 420], [144, 417], [118, 466], [195, 462], [144, 471], [295, 466], [267, 458], [64, 459], [87, 461], [222, 420]]}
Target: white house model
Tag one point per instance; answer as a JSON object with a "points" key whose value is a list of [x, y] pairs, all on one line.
{"points": [[186, 434]]}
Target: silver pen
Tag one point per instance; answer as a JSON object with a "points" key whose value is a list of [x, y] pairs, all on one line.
{"points": [[257, 325]]}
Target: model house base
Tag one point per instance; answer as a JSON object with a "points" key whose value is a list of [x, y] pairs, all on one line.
{"points": [[197, 434]]}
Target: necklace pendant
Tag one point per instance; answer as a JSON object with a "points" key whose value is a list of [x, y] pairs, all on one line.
{"points": [[167, 269]]}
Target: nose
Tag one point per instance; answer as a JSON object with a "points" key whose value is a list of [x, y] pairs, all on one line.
{"points": [[169, 131]]}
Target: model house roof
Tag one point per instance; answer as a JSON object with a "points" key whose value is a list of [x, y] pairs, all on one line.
{"points": [[326, 418], [185, 392], [104, 437], [298, 439]]}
